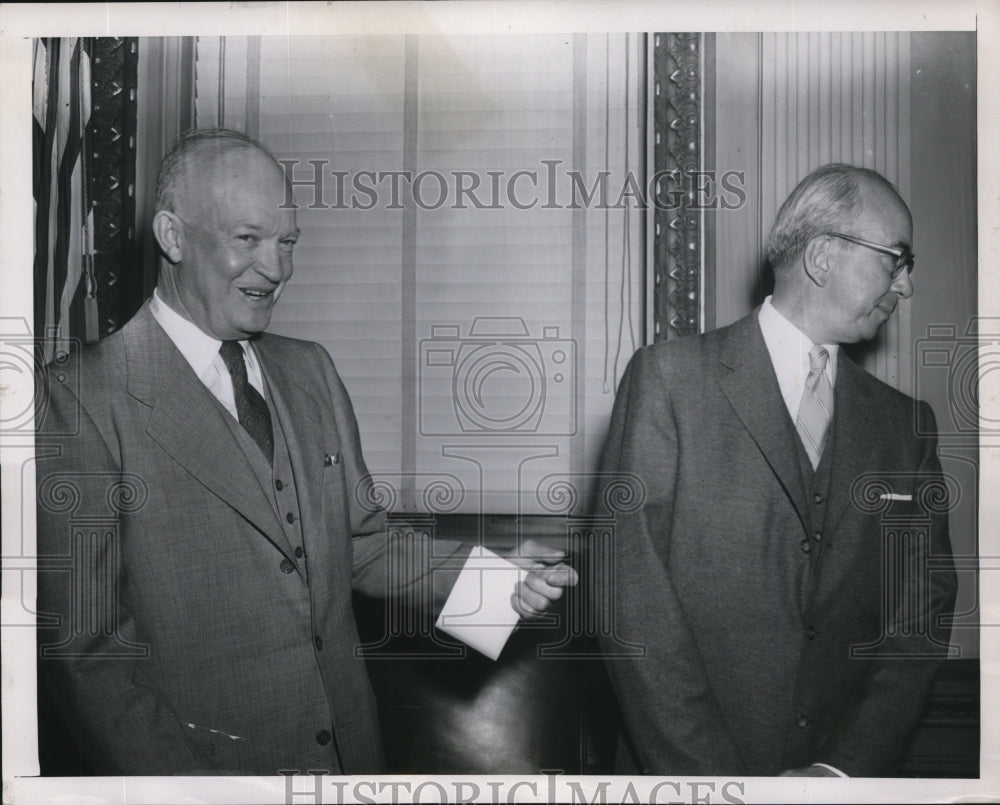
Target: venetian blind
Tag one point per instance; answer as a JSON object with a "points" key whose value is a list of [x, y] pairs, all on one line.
{"points": [[478, 306]]}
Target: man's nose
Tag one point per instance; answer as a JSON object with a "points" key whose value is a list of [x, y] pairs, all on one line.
{"points": [[903, 285], [270, 261]]}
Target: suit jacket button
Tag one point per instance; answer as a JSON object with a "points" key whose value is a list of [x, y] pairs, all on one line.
{"points": [[817, 498], [323, 737], [286, 566], [278, 485], [290, 517], [811, 633], [319, 642], [806, 546], [802, 722], [299, 552], [818, 536]]}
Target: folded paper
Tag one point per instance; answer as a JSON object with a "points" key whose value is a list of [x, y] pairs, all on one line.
{"points": [[479, 611]]}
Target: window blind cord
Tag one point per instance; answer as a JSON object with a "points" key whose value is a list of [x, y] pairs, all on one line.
{"points": [[625, 288], [607, 213], [222, 81]]}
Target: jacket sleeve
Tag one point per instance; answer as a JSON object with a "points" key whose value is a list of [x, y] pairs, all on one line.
{"points": [[91, 651], [916, 637], [671, 715], [392, 558]]}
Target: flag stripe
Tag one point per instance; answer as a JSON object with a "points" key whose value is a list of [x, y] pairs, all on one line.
{"points": [[43, 157], [68, 165]]}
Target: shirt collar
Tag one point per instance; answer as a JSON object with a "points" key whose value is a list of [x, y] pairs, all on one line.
{"points": [[789, 349], [198, 348]]}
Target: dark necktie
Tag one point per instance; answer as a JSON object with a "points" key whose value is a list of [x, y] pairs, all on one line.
{"points": [[250, 405]]}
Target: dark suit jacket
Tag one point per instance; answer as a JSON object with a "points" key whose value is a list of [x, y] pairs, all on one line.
{"points": [[224, 657], [747, 603]]}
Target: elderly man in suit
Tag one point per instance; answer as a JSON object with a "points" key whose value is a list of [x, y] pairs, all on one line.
{"points": [[781, 632], [221, 591]]}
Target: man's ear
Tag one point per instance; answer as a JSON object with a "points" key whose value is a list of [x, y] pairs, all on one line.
{"points": [[167, 229], [818, 259]]}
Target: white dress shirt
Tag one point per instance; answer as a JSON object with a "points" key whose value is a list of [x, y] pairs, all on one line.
{"points": [[789, 349], [201, 351]]}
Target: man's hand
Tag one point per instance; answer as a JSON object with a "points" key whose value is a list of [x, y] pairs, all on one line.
{"points": [[546, 579]]}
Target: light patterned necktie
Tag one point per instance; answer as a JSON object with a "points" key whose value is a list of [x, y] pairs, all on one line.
{"points": [[816, 407], [251, 408]]}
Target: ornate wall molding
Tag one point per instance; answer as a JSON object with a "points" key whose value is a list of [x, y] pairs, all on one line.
{"points": [[676, 159], [111, 167]]}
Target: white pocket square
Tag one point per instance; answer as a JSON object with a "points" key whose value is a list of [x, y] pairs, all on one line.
{"points": [[894, 496]]}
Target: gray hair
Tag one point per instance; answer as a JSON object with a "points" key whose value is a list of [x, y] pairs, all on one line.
{"points": [[191, 147], [825, 200]]}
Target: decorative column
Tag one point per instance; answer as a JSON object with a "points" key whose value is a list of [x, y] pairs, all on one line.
{"points": [[677, 248], [117, 269]]}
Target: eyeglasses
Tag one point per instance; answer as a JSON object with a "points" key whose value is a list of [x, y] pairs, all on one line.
{"points": [[903, 256]]}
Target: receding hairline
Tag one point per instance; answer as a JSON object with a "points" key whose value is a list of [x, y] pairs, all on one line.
{"points": [[869, 185], [197, 171], [196, 152], [836, 190]]}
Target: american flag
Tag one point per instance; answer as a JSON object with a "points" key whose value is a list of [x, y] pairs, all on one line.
{"points": [[65, 286]]}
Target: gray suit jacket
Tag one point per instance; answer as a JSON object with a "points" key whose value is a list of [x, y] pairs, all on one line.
{"points": [[217, 648], [747, 602]]}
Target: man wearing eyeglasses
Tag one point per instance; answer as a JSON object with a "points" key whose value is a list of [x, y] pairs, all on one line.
{"points": [[786, 626]]}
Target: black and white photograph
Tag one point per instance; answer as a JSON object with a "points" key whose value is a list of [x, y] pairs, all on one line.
{"points": [[499, 402]]}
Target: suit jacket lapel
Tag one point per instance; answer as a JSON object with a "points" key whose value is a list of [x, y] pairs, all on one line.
{"points": [[188, 423], [753, 391], [856, 433]]}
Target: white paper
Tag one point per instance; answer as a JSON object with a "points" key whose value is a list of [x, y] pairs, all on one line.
{"points": [[479, 612]]}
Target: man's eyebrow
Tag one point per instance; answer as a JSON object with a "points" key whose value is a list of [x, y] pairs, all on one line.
{"points": [[258, 228]]}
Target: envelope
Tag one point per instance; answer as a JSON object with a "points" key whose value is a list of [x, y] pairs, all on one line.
{"points": [[479, 612]]}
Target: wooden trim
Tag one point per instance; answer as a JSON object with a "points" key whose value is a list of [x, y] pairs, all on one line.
{"points": [[165, 89], [677, 157], [112, 157]]}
